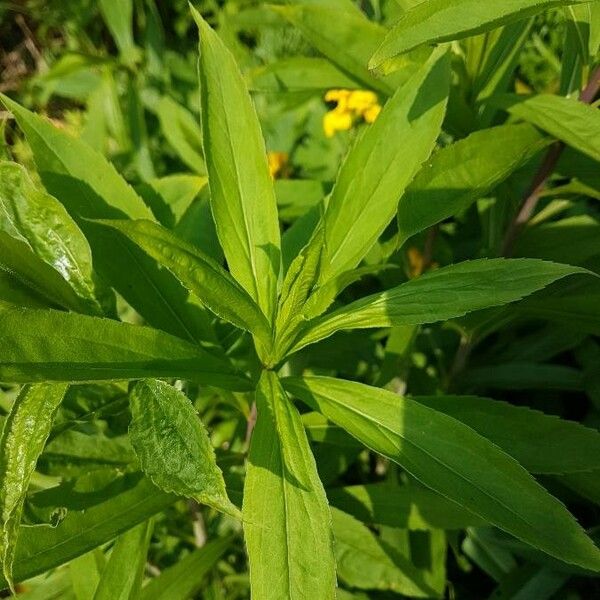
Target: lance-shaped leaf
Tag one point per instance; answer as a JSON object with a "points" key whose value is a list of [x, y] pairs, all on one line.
{"points": [[199, 273], [24, 434], [453, 460], [541, 443], [123, 574], [242, 194], [446, 20], [443, 294], [287, 523], [173, 445], [463, 172], [49, 345], [380, 166], [573, 122]]}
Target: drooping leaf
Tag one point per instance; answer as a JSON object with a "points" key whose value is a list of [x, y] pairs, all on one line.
{"points": [[123, 574], [48, 345], [463, 172], [575, 123], [199, 273], [242, 195], [442, 294], [453, 460], [24, 434], [380, 166], [445, 20], [287, 523], [173, 445]]}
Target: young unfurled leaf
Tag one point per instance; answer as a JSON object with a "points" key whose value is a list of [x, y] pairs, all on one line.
{"points": [[380, 166], [442, 294], [199, 273], [453, 460], [173, 445], [24, 434], [242, 195], [464, 172], [287, 523], [123, 574], [49, 345], [445, 20]]}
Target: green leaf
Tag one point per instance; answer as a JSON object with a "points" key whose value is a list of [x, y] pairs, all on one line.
{"points": [[199, 273], [24, 434], [380, 166], [463, 172], [173, 445], [37, 219], [541, 443], [95, 515], [118, 15], [47, 345], [287, 523], [443, 294], [573, 122], [123, 574], [407, 507], [84, 573], [363, 563], [453, 460], [446, 20], [242, 195], [184, 579]]}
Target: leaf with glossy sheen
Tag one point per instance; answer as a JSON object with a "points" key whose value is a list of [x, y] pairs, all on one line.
{"points": [[123, 574], [541, 443], [24, 434], [199, 273], [381, 164], [445, 20], [442, 294], [242, 194], [37, 219], [463, 172], [287, 523], [173, 445], [573, 122], [185, 578], [49, 345], [453, 460]]}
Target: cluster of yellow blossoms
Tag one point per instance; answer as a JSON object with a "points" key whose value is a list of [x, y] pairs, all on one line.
{"points": [[277, 163], [351, 105]]}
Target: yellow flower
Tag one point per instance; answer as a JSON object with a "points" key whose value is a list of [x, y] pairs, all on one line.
{"points": [[277, 161], [372, 113], [361, 100], [350, 105], [336, 120]]}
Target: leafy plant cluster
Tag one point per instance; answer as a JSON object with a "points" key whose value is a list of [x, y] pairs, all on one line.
{"points": [[308, 311]]}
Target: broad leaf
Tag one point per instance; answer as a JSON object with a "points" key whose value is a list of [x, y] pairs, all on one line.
{"points": [[199, 273], [463, 172], [287, 523], [446, 20], [24, 434], [541, 443], [47, 345], [442, 294], [242, 195], [123, 574], [453, 460], [380, 166], [173, 445]]}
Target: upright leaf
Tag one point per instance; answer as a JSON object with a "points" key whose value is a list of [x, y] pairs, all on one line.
{"points": [[118, 15], [48, 345], [453, 460], [442, 294], [173, 445], [446, 20], [24, 434], [123, 574], [286, 517], [381, 164], [242, 195]]}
